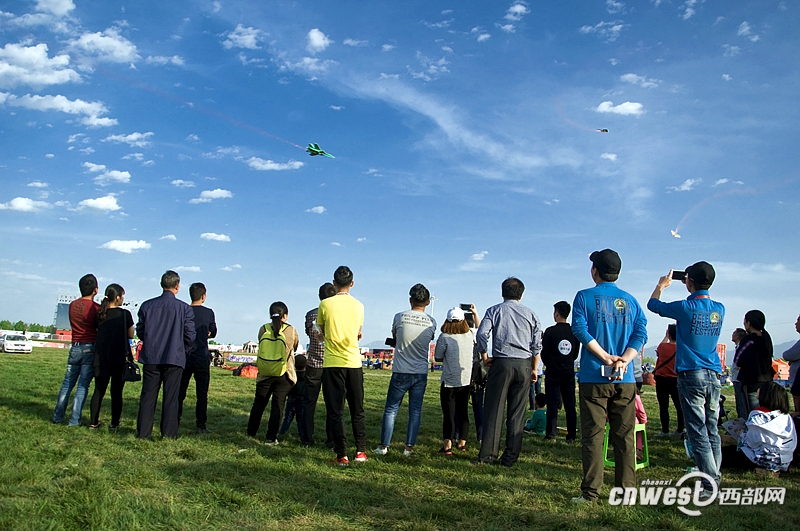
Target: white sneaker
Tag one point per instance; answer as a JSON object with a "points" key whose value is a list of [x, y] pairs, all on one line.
{"points": [[580, 499], [408, 453], [380, 450]]}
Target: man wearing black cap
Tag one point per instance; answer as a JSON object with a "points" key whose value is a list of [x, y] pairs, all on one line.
{"points": [[612, 329], [699, 321]]}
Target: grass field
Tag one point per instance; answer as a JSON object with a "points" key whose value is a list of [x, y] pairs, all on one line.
{"points": [[57, 477]]}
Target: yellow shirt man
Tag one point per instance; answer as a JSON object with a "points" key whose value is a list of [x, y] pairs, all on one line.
{"points": [[341, 318]]}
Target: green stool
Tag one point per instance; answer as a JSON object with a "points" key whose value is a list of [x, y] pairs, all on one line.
{"points": [[645, 459]]}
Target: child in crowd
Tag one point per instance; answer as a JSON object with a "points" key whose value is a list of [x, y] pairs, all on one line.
{"points": [[294, 401], [538, 421], [641, 418]]}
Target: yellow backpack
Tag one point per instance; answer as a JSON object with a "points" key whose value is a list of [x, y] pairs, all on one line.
{"points": [[271, 360]]}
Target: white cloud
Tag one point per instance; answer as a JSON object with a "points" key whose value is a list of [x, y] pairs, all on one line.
{"points": [[193, 138], [387, 47], [336, 107], [311, 65], [642, 81], [361, 239], [230, 268], [206, 196], [243, 37], [91, 111], [187, 269], [686, 185], [745, 31], [607, 30], [508, 28], [355, 42], [216, 6], [180, 183], [516, 12], [161, 60], [212, 236], [726, 77], [609, 156], [614, 7], [625, 109], [719, 181], [23, 204], [336, 244], [389, 76], [688, 7], [38, 184], [125, 246], [133, 139], [266, 165], [30, 65], [169, 237], [222, 152], [106, 203], [730, 51], [112, 176], [56, 7], [108, 46], [316, 209], [477, 257]]}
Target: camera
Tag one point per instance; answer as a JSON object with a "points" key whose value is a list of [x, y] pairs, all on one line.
{"points": [[390, 342], [468, 316], [679, 275]]}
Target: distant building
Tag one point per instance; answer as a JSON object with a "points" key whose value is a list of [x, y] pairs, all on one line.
{"points": [[61, 327]]}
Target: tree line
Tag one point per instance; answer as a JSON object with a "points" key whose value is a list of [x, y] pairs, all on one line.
{"points": [[23, 327]]}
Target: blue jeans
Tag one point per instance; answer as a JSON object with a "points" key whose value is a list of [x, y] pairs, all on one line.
{"points": [[80, 369], [699, 393], [414, 385]]}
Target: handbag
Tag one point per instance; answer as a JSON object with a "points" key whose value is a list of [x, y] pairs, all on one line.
{"points": [[478, 377], [131, 372]]}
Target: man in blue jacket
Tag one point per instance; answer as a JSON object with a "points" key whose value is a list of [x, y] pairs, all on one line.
{"points": [[166, 328], [612, 329], [699, 321]]}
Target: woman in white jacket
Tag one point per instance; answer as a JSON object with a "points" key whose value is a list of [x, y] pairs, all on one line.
{"points": [[770, 438]]}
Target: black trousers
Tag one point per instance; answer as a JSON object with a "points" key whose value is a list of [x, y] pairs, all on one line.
{"points": [[202, 378], [100, 386], [455, 403], [340, 384], [152, 378], [666, 389], [313, 387], [278, 387], [560, 390], [508, 382], [733, 458]]}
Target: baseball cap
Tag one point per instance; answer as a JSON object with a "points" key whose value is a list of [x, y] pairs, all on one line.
{"points": [[455, 314], [606, 261], [701, 273]]}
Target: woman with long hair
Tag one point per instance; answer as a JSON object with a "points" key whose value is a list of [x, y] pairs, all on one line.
{"points": [[454, 348], [276, 372], [754, 357], [112, 350]]}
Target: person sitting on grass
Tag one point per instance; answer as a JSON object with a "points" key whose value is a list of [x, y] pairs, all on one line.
{"points": [[538, 421], [770, 438]]}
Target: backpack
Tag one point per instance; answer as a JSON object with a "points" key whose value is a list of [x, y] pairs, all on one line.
{"points": [[272, 355]]}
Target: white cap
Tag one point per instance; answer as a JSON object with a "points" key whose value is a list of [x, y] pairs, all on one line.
{"points": [[455, 314]]}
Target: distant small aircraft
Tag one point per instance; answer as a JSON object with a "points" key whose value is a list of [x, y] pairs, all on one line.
{"points": [[314, 150], [602, 130], [675, 233]]}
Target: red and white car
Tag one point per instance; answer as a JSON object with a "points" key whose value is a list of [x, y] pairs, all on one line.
{"points": [[15, 343]]}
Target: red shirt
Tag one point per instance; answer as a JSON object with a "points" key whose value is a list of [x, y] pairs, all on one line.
{"points": [[666, 351], [83, 320]]}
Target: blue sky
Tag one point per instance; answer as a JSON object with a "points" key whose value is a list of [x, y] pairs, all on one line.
{"points": [[138, 137]]}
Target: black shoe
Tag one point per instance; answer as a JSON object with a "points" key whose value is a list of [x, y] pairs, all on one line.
{"points": [[203, 430]]}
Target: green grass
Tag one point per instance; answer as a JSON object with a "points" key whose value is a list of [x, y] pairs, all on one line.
{"points": [[57, 477]]}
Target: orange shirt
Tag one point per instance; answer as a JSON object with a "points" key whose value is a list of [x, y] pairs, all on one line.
{"points": [[665, 351]]}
